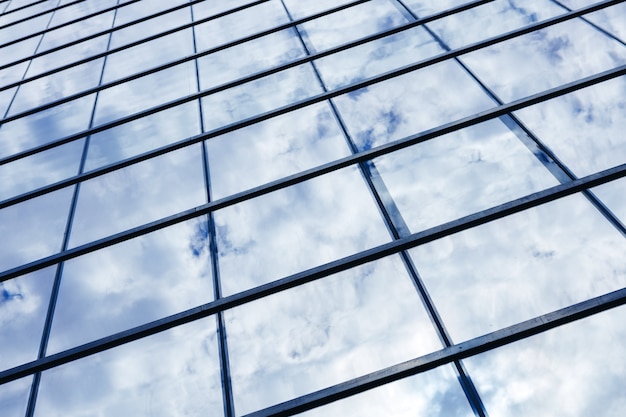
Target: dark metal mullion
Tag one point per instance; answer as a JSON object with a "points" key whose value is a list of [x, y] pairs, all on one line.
{"points": [[80, 19], [306, 174], [32, 400], [227, 391], [589, 22], [471, 393], [321, 97], [397, 228], [503, 336], [26, 19], [554, 165], [125, 25]]}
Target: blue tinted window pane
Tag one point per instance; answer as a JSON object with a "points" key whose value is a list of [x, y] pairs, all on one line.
{"points": [[133, 283], [522, 266], [136, 195], [23, 307], [175, 372], [326, 332], [14, 397], [296, 228], [570, 371]]}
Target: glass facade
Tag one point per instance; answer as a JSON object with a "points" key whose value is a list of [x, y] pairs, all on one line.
{"points": [[317, 208]]}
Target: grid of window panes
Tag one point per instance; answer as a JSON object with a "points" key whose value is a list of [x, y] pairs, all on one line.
{"points": [[319, 208]]}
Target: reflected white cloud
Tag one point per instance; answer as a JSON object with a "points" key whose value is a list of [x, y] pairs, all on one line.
{"points": [[259, 96], [584, 129], [574, 370], [353, 23], [138, 194], [326, 332], [142, 135], [40, 169], [273, 149], [461, 173], [522, 266], [132, 283], [23, 307], [174, 373], [296, 228], [14, 397], [610, 18], [436, 393], [548, 58], [409, 104], [33, 229], [45, 126]]}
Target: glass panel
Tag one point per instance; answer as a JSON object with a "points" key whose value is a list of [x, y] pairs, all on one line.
{"points": [[41, 169], [45, 126], [14, 397], [326, 332], [14, 73], [141, 9], [22, 29], [33, 8], [23, 307], [492, 19], [143, 134], [5, 99], [132, 283], [409, 104], [172, 373], [249, 58], [461, 173], [522, 266], [82, 9], [436, 393], [585, 129], [613, 195], [238, 25], [78, 30], [353, 23], [148, 55], [427, 7], [138, 194], [291, 143], [259, 96], [376, 57], [70, 55], [56, 86], [33, 229], [610, 19], [296, 228], [574, 370], [545, 59], [299, 9], [145, 92], [210, 8]]}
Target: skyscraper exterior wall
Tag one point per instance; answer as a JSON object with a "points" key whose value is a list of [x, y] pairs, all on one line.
{"points": [[317, 208]]}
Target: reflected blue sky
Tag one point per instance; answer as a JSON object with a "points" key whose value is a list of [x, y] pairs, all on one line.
{"points": [[341, 326]]}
